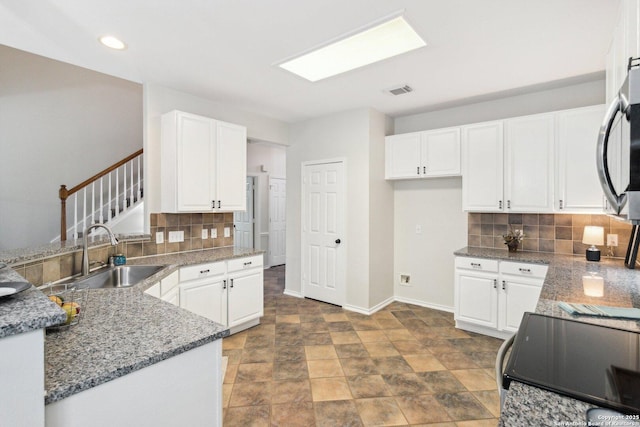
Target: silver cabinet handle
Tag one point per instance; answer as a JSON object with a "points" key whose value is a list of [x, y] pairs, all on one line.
{"points": [[508, 204], [560, 204], [424, 170], [418, 170], [495, 283], [476, 265], [525, 270], [247, 263], [218, 204], [224, 284], [205, 271], [504, 285], [231, 285], [500, 204], [213, 204]]}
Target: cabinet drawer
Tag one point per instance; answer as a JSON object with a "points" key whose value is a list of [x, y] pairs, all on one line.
{"points": [[244, 263], [201, 270], [168, 283], [523, 269], [479, 264]]}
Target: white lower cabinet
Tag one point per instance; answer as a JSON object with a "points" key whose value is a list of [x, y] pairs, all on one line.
{"points": [[245, 297], [206, 297], [491, 296]]}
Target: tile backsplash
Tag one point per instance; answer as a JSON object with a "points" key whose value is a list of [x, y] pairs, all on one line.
{"points": [[56, 267], [554, 233]]}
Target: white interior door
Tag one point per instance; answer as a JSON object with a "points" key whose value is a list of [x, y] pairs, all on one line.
{"points": [[323, 232], [277, 220], [243, 220]]}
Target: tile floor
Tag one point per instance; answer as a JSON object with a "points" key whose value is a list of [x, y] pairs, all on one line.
{"points": [[313, 364]]}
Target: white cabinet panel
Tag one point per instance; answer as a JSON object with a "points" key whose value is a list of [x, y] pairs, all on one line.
{"points": [[476, 299], [231, 166], [206, 297], [529, 170], [402, 156], [482, 167], [245, 297], [441, 152], [517, 296], [577, 186], [172, 297]]}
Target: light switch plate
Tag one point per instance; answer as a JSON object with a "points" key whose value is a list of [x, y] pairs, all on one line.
{"points": [[205, 233], [159, 237], [214, 233], [227, 232], [176, 236], [612, 240]]}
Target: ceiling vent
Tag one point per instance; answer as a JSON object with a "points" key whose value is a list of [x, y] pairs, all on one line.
{"points": [[400, 90]]}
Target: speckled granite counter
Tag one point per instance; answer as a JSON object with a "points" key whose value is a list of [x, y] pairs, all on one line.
{"points": [[26, 311], [526, 405], [125, 330]]}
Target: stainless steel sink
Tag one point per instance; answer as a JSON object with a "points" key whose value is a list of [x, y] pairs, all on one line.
{"points": [[122, 276]]}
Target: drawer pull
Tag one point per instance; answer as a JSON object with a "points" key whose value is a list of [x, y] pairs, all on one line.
{"points": [[476, 265], [247, 263], [525, 270], [205, 271]]}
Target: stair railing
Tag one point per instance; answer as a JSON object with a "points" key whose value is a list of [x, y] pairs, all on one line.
{"points": [[127, 192]]}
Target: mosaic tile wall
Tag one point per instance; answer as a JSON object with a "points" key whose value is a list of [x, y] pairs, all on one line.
{"points": [[554, 233], [58, 267]]}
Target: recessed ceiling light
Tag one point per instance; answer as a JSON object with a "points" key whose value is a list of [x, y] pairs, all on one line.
{"points": [[112, 42], [375, 42]]}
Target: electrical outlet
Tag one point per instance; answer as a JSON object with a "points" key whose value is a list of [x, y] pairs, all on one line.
{"points": [[418, 229], [214, 233], [612, 240], [205, 233], [227, 232], [176, 236], [159, 237]]}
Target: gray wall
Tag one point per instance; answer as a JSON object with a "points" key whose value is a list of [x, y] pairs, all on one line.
{"points": [[59, 124]]}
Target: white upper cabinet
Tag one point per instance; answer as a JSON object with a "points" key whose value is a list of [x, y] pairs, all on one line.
{"points": [[529, 151], [482, 167], [577, 186], [427, 154], [625, 44], [203, 164]]}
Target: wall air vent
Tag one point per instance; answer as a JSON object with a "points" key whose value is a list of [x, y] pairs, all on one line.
{"points": [[400, 90]]}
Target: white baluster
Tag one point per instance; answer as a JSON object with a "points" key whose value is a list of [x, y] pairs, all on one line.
{"points": [[84, 209], [124, 188], [131, 187], [101, 201], [139, 190], [117, 195], [75, 216], [109, 200], [93, 203]]}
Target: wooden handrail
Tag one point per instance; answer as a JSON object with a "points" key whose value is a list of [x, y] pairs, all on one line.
{"points": [[64, 193]]}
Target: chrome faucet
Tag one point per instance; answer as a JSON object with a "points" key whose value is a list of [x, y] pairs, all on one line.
{"points": [[85, 245]]}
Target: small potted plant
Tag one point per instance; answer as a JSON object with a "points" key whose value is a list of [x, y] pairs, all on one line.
{"points": [[512, 239]]}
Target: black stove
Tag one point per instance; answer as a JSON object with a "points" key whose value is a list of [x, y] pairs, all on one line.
{"points": [[595, 364]]}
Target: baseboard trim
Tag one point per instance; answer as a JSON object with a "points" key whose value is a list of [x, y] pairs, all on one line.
{"points": [[291, 293], [425, 304], [371, 310]]}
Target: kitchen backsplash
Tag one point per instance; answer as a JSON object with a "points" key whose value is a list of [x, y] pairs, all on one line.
{"points": [[554, 233], [53, 268]]}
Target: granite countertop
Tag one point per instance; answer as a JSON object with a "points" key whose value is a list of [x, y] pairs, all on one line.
{"points": [[526, 405], [26, 311], [122, 330]]}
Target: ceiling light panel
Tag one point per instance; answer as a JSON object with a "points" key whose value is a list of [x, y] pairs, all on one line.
{"points": [[113, 42], [382, 41]]}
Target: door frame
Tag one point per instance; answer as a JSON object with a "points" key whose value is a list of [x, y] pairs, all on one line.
{"points": [[269, 233], [254, 228], [303, 236]]}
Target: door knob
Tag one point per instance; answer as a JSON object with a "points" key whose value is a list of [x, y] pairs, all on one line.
{"points": [[337, 241]]}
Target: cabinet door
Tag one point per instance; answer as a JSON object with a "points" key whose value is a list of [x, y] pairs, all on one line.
{"points": [[529, 151], [578, 188], [517, 295], [231, 167], [195, 162], [440, 152], [402, 156], [476, 298], [245, 296], [173, 297], [482, 167], [207, 297]]}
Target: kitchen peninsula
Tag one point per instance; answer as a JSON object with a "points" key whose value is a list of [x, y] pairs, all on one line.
{"points": [[526, 405], [133, 358]]}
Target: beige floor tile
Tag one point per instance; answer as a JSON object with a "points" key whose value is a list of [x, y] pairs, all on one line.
{"points": [[257, 355], [324, 368], [288, 370], [250, 394], [288, 318], [478, 423], [226, 394], [368, 386], [398, 334], [337, 413], [291, 391], [234, 341], [490, 400], [424, 362], [298, 414], [335, 317], [230, 374], [380, 411], [347, 337], [316, 352], [323, 389], [254, 416], [422, 409], [381, 349], [372, 336], [253, 372], [359, 366], [463, 406], [410, 347], [457, 361], [475, 379], [349, 351], [406, 384], [392, 365]]}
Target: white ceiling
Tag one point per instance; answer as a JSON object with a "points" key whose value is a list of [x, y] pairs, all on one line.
{"points": [[224, 50]]}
